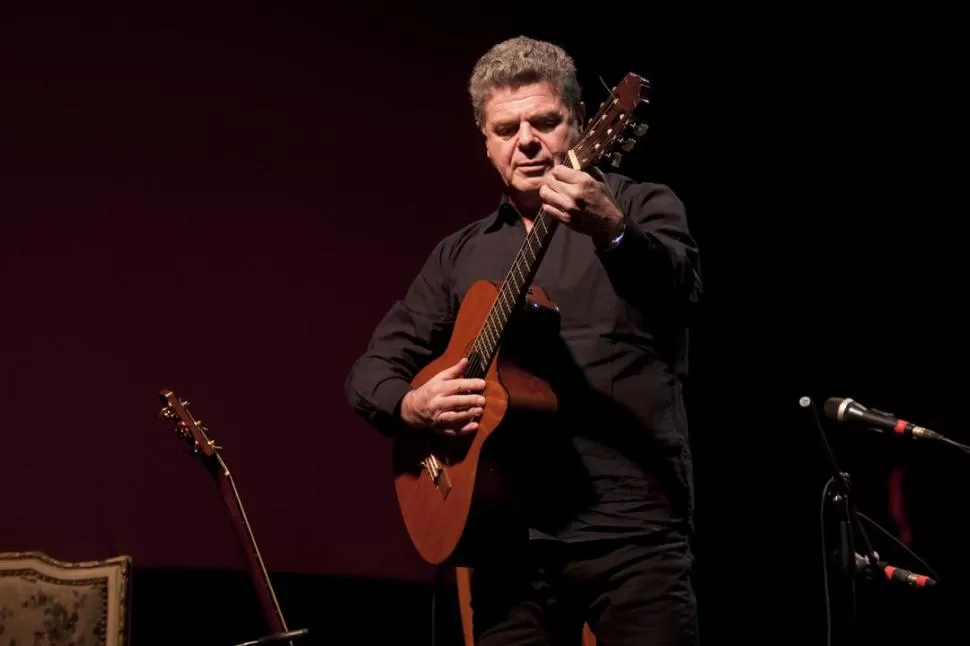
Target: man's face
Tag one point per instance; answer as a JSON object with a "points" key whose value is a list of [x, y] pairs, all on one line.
{"points": [[527, 130]]}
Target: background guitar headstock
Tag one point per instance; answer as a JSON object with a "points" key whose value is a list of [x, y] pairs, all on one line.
{"points": [[613, 125], [186, 426]]}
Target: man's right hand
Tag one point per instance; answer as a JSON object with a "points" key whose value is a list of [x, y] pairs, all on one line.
{"points": [[448, 403]]}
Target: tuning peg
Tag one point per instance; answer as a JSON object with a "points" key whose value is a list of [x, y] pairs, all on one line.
{"points": [[184, 402], [639, 129], [166, 413], [616, 159], [627, 144]]}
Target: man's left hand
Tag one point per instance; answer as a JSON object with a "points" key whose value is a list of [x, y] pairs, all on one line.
{"points": [[581, 203]]}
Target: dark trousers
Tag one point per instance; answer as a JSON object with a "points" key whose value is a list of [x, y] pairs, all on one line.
{"points": [[630, 592]]}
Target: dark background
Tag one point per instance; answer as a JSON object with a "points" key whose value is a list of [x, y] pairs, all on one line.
{"points": [[224, 201]]}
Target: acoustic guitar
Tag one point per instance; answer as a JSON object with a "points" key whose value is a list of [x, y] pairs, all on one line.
{"points": [[195, 434], [453, 492]]}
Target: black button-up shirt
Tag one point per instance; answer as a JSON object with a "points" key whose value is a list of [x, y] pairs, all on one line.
{"points": [[617, 461]]}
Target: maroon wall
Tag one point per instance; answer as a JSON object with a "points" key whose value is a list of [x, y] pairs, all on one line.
{"points": [[224, 202], [222, 205]]}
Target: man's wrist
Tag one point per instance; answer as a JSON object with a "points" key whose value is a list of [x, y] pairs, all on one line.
{"points": [[405, 409]]}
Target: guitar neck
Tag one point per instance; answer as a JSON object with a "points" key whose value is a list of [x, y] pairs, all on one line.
{"points": [[268, 602], [516, 284]]}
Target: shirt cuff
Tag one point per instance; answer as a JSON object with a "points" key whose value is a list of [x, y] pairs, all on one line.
{"points": [[615, 242], [387, 402]]}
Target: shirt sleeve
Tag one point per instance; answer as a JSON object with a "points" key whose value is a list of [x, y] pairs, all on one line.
{"points": [[657, 261], [413, 331]]}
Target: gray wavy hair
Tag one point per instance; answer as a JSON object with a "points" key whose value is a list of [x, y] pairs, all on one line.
{"points": [[521, 61]]}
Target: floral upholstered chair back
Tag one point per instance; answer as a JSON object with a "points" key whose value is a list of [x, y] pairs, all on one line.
{"points": [[45, 602]]}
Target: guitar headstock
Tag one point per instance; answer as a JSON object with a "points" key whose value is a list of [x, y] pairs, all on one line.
{"points": [[613, 125], [186, 426]]}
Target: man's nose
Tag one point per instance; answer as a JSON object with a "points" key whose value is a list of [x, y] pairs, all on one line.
{"points": [[526, 136]]}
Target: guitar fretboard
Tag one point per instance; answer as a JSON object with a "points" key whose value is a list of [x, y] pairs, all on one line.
{"points": [[509, 298]]}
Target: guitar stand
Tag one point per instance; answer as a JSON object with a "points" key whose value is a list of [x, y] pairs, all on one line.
{"points": [[277, 638]]}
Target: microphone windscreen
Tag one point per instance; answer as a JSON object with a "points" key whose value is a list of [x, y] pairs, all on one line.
{"points": [[831, 407]]}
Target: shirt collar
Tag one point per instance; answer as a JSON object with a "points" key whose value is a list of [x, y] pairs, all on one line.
{"points": [[505, 213]]}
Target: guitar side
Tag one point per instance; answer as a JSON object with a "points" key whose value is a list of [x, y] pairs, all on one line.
{"points": [[453, 495]]}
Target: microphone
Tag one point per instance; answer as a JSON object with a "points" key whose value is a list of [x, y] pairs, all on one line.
{"points": [[883, 570], [846, 410]]}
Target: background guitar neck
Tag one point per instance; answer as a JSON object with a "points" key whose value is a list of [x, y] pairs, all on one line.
{"points": [[257, 569]]}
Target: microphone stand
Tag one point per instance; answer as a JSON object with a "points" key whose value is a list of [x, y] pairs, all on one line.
{"points": [[849, 528]]}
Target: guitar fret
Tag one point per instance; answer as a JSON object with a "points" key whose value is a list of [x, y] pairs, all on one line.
{"points": [[489, 337], [542, 225], [492, 337]]}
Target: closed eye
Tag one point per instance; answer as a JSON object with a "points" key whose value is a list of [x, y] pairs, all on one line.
{"points": [[505, 129], [546, 123]]}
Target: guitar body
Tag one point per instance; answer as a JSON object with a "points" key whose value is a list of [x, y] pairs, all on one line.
{"points": [[455, 493]]}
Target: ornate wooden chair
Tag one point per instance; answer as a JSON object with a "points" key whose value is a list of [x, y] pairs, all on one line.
{"points": [[46, 602]]}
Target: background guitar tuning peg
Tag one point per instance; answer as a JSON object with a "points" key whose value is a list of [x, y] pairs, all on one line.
{"points": [[627, 144], [615, 160]]}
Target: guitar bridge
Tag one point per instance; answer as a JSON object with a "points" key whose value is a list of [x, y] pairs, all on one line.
{"points": [[438, 475]]}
